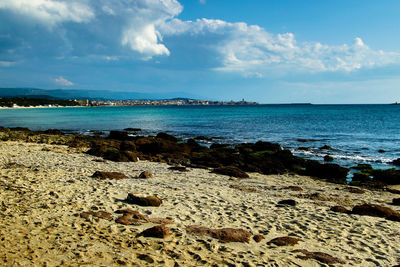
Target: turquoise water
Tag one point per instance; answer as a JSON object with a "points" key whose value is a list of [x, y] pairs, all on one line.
{"points": [[356, 131]]}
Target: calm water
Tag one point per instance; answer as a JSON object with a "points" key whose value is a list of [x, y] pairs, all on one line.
{"points": [[356, 131]]}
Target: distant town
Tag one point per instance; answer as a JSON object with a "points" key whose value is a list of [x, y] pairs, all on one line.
{"points": [[15, 102]]}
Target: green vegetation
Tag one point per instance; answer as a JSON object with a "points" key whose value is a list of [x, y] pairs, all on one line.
{"points": [[27, 102]]}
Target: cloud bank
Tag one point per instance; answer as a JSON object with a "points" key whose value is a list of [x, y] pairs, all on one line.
{"points": [[146, 29]]}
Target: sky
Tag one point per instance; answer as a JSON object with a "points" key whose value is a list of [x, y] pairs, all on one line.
{"points": [[269, 51]]}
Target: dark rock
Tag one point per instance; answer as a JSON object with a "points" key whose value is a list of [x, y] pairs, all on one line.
{"points": [[127, 219], [390, 176], [381, 151], [289, 202], [258, 238], [326, 147], [396, 201], [53, 131], [329, 171], [231, 171], [393, 191], [114, 154], [284, 241], [131, 156], [71, 181], [363, 167], [159, 231], [304, 148], [168, 137], [319, 256], [328, 158], [146, 175], [355, 190], [144, 201], [224, 235], [339, 209], [178, 168], [376, 211], [360, 177], [396, 162], [119, 135], [133, 129], [294, 188], [109, 175], [127, 146]]}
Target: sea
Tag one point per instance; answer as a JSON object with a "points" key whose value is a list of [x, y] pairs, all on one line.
{"points": [[356, 133]]}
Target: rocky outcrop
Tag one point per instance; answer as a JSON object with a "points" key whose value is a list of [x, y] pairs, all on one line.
{"points": [[287, 202], [145, 175], [159, 231], [284, 241], [224, 235], [376, 211], [319, 256], [152, 201], [331, 172], [396, 201], [390, 176]]}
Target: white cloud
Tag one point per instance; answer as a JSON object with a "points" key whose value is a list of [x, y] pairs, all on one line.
{"points": [[252, 50], [62, 81], [112, 29], [50, 12]]}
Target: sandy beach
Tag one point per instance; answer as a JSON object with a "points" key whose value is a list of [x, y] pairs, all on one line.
{"points": [[45, 187]]}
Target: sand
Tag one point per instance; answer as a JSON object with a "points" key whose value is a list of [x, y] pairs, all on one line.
{"points": [[43, 186]]}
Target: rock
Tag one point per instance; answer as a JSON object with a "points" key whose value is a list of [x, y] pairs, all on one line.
{"points": [[71, 181], [134, 214], [319, 256], [328, 158], [396, 201], [360, 177], [146, 175], [303, 148], [376, 211], [363, 167], [119, 135], [178, 168], [390, 176], [224, 235], [355, 190], [294, 188], [393, 191], [339, 209], [381, 151], [289, 202], [127, 146], [127, 219], [160, 221], [152, 201], [159, 231], [109, 175], [166, 136], [326, 147], [258, 238], [132, 129], [231, 171], [96, 214], [332, 172], [203, 138], [396, 162], [284, 241]]}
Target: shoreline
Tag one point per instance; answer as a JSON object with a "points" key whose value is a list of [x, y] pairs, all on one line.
{"points": [[45, 185]]}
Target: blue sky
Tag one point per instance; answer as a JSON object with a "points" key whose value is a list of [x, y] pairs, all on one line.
{"points": [[269, 51]]}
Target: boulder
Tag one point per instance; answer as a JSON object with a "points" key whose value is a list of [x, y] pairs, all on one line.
{"points": [[127, 219], [396, 201], [109, 175], [284, 241], [294, 188], [159, 231], [376, 211], [258, 238], [152, 201], [329, 171], [166, 136], [396, 162], [289, 202], [231, 171], [339, 209], [355, 190], [326, 147], [224, 235], [119, 135], [127, 146], [328, 158], [132, 129], [389, 176], [319, 256], [146, 175]]}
